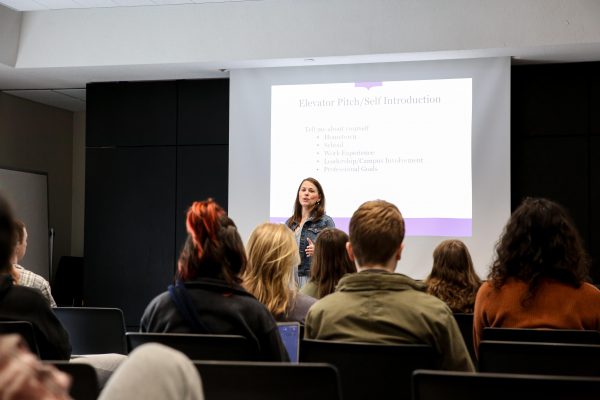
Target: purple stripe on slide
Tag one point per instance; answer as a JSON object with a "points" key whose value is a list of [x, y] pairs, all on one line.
{"points": [[461, 227], [367, 85], [458, 227]]}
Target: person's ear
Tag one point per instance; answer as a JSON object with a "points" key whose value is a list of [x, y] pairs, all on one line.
{"points": [[399, 252], [350, 251]]}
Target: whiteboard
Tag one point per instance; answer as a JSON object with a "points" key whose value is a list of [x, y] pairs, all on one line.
{"points": [[27, 192]]}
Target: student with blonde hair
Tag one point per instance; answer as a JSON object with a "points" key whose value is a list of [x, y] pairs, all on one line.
{"points": [[269, 275], [453, 278]]}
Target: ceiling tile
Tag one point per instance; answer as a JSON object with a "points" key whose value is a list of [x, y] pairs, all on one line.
{"points": [[96, 3], [23, 5], [167, 2], [79, 94], [58, 4], [51, 98], [127, 3]]}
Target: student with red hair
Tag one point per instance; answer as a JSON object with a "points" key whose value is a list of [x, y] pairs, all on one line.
{"points": [[207, 297]]}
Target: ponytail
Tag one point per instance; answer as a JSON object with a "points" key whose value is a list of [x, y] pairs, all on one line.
{"points": [[213, 248]]}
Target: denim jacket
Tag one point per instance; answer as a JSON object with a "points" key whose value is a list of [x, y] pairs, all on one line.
{"points": [[310, 230]]}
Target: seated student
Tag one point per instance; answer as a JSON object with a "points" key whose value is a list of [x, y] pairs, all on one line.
{"points": [[269, 275], [23, 276], [452, 278], [377, 305], [152, 371], [537, 279], [208, 297], [330, 263], [21, 303]]}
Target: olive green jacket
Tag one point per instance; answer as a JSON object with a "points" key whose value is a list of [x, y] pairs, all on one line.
{"points": [[377, 306]]}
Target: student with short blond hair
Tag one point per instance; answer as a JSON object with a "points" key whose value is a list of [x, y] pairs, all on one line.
{"points": [[377, 305]]}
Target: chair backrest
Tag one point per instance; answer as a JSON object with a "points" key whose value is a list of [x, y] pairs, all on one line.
{"points": [[434, 385], [541, 335], [224, 380], [371, 371], [200, 347], [84, 382], [94, 330], [23, 328], [539, 358], [465, 324]]}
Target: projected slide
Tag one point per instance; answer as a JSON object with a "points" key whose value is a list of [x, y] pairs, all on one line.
{"points": [[408, 142]]}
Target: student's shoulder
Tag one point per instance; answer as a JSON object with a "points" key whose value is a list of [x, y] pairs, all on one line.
{"points": [[429, 304], [28, 292], [332, 302], [591, 291], [160, 301], [26, 298], [304, 302]]}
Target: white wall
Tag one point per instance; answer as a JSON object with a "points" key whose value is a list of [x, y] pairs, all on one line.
{"points": [[282, 29], [36, 137], [10, 28]]}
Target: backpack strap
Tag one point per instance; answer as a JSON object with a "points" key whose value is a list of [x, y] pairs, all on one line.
{"points": [[185, 306]]}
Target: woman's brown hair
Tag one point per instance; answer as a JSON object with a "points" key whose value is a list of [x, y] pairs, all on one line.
{"points": [[330, 260], [540, 241], [318, 210], [453, 278]]}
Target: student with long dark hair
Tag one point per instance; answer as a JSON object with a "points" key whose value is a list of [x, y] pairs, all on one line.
{"points": [[207, 297], [453, 278], [538, 278], [331, 262], [308, 220]]}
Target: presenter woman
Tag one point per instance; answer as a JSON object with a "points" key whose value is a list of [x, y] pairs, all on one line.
{"points": [[308, 220]]}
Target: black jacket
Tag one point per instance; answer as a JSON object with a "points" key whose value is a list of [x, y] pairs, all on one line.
{"points": [[20, 303], [222, 310]]}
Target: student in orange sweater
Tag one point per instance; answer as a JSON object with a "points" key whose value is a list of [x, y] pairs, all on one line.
{"points": [[538, 277]]}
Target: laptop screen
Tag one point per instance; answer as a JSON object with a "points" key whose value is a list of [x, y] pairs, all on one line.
{"points": [[290, 336]]}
